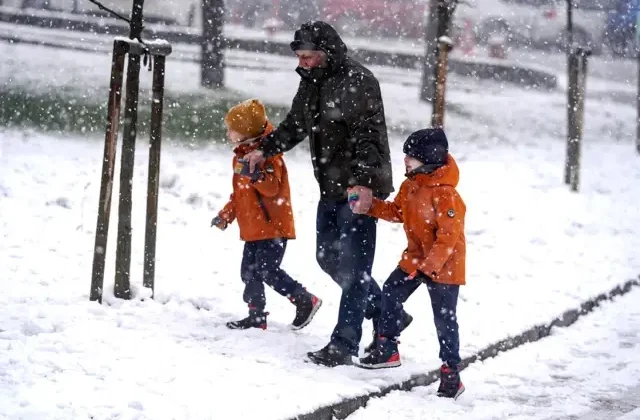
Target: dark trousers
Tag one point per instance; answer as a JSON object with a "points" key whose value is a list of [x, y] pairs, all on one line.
{"points": [[444, 300], [261, 265], [345, 247]]}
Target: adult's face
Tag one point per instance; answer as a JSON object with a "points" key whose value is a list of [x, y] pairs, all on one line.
{"points": [[309, 59]]}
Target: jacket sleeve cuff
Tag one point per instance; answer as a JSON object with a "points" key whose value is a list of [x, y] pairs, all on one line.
{"points": [[376, 207]]}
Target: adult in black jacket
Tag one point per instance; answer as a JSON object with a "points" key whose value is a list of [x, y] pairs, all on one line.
{"points": [[338, 106]]}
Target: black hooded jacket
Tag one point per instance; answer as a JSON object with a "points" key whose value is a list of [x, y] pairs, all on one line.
{"points": [[339, 107]]}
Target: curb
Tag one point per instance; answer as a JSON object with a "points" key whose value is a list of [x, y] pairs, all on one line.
{"points": [[496, 70], [347, 407]]}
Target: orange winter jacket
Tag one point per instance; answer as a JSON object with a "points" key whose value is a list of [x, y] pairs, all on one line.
{"points": [[433, 213], [262, 208]]}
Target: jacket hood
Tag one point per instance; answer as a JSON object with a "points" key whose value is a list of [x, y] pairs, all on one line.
{"points": [[447, 174], [324, 38]]}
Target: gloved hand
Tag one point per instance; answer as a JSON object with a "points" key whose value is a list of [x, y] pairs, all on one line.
{"points": [[242, 168], [219, 222]]}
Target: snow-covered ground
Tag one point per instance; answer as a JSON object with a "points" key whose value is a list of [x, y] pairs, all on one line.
{"points": [[587, 372], [534, 250]]}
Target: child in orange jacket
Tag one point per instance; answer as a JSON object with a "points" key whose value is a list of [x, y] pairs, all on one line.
{"points": [[261, 203], [433, 214]]}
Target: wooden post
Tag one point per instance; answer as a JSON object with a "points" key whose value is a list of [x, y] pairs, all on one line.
{"points": [[572, 101], [212, 44], [122, 287], [581, 55], [445, 44], [427, 85], [108, 165], [154, 173]]}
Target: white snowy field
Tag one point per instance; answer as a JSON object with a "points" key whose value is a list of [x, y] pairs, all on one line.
{"points": [[534, 250], [482, 112], [587, 372]]}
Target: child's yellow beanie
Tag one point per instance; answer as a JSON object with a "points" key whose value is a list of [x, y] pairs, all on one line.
{"points": [[247, 118]]}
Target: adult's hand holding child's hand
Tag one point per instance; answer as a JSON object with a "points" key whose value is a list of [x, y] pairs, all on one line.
{"points": [[360, 199]]}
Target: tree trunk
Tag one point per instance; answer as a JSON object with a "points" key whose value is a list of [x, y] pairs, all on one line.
{"points": [[438, 24]]}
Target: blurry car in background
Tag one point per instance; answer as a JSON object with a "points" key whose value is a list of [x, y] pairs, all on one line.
{"points": [[621, 29], [539, 23], [510, 19], [589, 24], [377, 18], [371, 18]]}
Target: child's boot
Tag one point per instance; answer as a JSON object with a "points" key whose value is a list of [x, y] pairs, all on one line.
{"points": [[385, 355], [450, 384], [306, 307], [407, 319], [256, 319]]}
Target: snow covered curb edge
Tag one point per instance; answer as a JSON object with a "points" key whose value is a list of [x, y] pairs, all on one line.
{"points": [[343, 409]]}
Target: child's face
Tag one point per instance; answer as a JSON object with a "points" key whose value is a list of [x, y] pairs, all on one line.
{"points": [[235, 137], [411, 163]]}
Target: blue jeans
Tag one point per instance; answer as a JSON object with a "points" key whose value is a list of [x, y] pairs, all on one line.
{"points": [[444, 300], [261, 264], [345, 247]]}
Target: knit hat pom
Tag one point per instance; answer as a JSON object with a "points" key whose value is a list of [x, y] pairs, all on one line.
{"points": [[248, 118]]}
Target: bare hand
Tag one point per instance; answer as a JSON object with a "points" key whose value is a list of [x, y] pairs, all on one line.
{"points": [[255, 158], [365, 199]]}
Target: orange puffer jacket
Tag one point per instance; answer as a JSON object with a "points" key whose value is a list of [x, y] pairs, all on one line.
{"points": [[262, 208], [433, 214]]}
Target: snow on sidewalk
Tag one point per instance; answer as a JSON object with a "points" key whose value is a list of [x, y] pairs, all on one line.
{"points": [[534, 250], [588, 371]]}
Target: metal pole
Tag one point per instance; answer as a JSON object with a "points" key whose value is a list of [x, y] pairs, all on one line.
{"points": [[154, 173], [122, 287], [212, 44], [569, 24], [445, 44], [638, 104], [572, 100], [637, 44], [108, 165], [571, 83]]}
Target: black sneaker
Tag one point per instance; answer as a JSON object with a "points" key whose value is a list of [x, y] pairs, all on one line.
{"points": [[330, 356], [450, 384], [254, 320], [306, 307], [408, 319], [385, 355]]}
